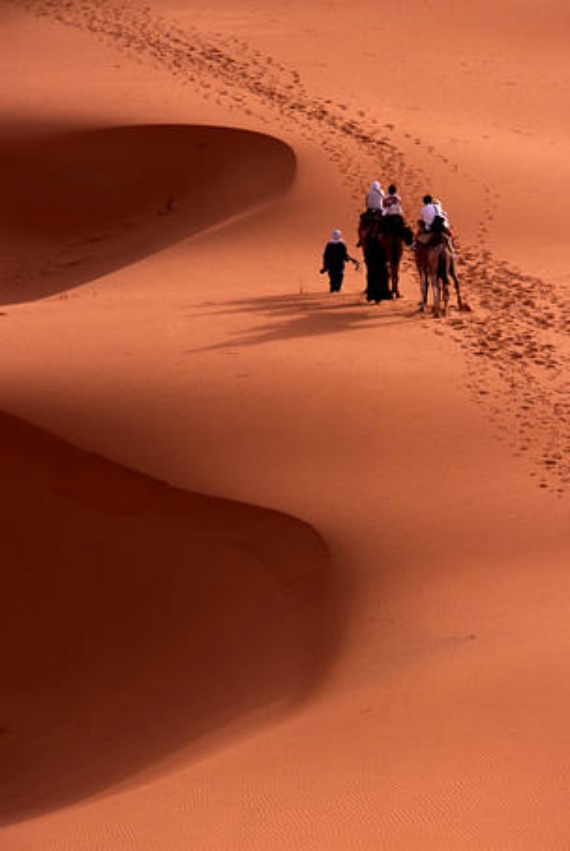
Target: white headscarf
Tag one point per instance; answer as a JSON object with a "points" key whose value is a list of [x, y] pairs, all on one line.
{"points": [[337, 235]]}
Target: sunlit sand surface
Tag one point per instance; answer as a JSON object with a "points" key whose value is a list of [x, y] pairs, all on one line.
{"points": [[281, 569]]}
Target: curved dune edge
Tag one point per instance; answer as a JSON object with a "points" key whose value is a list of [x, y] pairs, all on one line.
{"points": [[139, 620], [446, 728], [79, 203], [503, 339]]}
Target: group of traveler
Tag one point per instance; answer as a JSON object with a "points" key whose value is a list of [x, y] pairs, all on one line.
{"points": [[388, 209]]}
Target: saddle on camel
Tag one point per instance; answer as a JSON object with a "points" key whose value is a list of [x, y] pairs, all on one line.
{"points": [[437, 233]]}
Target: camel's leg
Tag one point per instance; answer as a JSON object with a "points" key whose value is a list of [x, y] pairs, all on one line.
{"points": [[443, 277], [435, 285], [393, 279], [445, 301], [445, 287], [424, 287], [455, 283], [394, 267]]}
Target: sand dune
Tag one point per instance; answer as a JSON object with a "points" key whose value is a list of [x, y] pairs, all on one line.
{"points": [[139, 621], [77, 204], [188, 665]]}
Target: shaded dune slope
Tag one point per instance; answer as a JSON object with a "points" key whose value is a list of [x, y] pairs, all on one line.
{"points": [[139, 621], [77, 204], [515, 340]]}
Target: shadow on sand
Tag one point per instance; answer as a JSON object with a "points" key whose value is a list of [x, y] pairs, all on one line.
{"points": [[304, 315], [80, 203], [141, 624]]}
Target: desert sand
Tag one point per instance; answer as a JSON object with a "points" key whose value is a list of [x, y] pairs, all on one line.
{"points": [[281, 569]]}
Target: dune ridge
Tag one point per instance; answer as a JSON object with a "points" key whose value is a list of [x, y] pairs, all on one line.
{"points": [[140, 621], [102, 198], [517, 333], [424, 649]]}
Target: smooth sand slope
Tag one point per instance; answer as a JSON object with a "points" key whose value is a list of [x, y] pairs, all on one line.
{"points": [[138, 620], [304, 585], [77, 203]]}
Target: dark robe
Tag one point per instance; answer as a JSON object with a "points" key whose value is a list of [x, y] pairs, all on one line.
{"points": [[377, 287], [335, 256]]}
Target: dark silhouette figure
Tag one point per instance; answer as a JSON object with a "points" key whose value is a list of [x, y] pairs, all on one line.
{"points": [[335, 258]]}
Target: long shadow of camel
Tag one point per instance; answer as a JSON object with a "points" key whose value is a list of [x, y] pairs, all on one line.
{"points": [[295, 316], [79, 203], [139, 622]]}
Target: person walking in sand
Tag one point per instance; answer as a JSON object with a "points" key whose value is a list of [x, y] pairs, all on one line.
{"points": [[335, 257]]}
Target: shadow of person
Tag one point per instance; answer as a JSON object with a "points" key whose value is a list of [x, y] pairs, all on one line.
{"points": [[295, 316]]}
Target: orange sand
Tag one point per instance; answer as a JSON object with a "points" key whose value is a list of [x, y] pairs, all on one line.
{"points": [[282, 569]]}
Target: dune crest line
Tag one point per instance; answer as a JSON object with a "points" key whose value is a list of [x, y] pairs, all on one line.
{"points": [[175, 621], [515, 338], [90, 213]]}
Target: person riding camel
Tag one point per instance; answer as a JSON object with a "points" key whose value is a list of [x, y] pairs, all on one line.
{"points": [[443, 214], [393, 211], [375, 198], [335, 256], [434, 228], [432, 220], [392, 202], [428, 212]]}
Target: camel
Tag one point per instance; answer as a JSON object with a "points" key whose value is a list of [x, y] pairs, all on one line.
{"points": [[393, 244], [434, 263], [377, 236]]}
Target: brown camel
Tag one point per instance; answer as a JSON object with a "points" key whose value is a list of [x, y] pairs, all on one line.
{"points": [[391, 237], [434, 263]]}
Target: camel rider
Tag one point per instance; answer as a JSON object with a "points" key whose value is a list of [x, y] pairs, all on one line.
{"points": [[432, 219], [429, 211], [443, 214], [443, 224], [375, 198], [392, 202], [393, 211]]}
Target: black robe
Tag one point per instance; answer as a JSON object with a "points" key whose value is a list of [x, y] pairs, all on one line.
{"points": [[377, 286]]}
